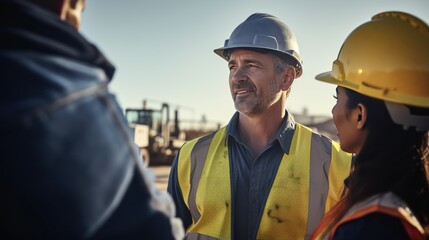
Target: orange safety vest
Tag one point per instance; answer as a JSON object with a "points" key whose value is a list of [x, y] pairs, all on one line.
{"points": [[387, 203]]}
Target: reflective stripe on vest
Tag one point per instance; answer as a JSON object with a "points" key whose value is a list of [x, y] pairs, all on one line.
{"points": [[306, 185], [387, 203], [390, 204]]}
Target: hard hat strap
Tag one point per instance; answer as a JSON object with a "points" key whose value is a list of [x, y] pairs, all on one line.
{"points": [[402, 115]]}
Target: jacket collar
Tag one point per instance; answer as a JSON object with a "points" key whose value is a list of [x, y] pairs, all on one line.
{"points": [[25, 26]]}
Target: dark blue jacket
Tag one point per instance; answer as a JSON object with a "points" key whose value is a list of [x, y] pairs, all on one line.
{"points": [[68, 165]]}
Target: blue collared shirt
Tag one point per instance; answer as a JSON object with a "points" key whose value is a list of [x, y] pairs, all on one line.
{"points": [[251, 178]]}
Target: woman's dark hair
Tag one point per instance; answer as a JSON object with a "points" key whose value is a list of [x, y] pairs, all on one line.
{"points": [[392, 159]]}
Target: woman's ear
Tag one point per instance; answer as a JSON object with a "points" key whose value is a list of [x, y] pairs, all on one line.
{"points": [[361, 115]]}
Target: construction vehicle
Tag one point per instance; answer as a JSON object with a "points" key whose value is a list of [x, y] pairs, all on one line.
{"points": [[158, 139]]}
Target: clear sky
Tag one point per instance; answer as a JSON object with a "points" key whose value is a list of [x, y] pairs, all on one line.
{"points": [[163, 50]]}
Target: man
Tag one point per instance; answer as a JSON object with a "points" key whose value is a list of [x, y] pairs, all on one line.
{"points": [[69, 169], [263, 176]]}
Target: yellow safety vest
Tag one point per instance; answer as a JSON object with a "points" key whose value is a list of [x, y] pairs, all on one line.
{"points": [[387, 203], [308, 183]]}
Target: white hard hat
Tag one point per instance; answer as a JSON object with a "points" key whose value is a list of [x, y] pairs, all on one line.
{"points": [[264, 31]]}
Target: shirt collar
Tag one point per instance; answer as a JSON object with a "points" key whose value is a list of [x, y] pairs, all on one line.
{"points": [[284, 134]]}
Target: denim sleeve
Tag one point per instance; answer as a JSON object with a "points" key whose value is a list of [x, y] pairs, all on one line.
{"points": [[71, 172], [372, 227], [173, 188], [134, 218]]}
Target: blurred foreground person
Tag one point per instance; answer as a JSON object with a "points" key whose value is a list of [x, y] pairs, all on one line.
{"points": [[382, 115], [69, 169]]}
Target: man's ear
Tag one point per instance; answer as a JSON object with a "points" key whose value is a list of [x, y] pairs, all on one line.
{"points": [[63, 8], [72, 11], [73, 3], [289, 75], [361, 116]]}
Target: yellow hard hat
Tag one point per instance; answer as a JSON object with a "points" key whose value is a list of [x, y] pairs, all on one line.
{"points": [[386, 58]]}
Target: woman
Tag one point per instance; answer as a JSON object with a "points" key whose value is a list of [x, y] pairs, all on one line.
{"points": [[382, 115]]}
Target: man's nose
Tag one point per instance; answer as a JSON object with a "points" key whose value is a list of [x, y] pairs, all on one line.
{"points": [[238, 75]]}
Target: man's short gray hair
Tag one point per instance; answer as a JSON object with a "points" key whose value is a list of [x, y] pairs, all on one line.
{"points": [[280, 64]]}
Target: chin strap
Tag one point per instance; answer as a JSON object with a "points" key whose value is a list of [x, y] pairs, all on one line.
{"points": [[401, 115]]}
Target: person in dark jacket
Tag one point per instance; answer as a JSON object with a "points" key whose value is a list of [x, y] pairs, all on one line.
{"points": [[69, 169]]}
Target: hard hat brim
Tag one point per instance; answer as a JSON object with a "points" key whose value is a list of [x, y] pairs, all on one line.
{"points": [[391, 96], [221, 53], [327, 77]]}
